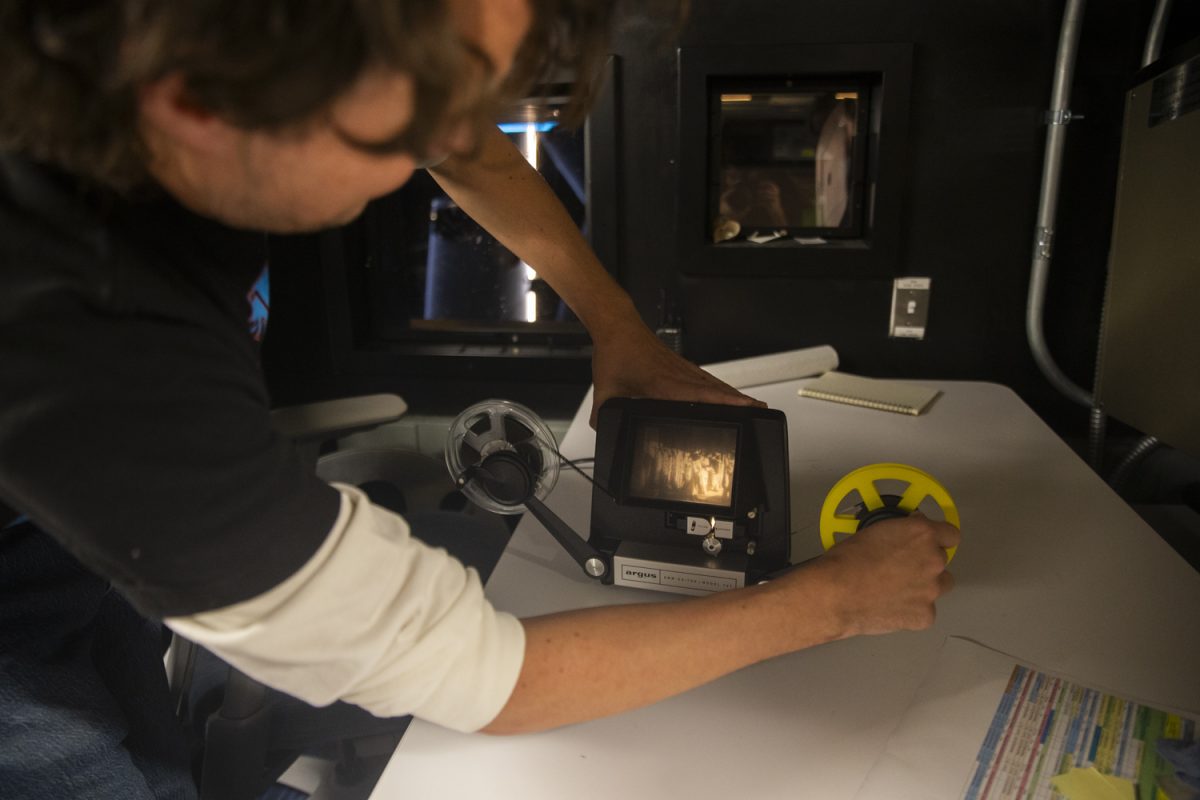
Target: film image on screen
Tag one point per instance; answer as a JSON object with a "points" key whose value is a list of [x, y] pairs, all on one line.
{"points": [[684, 463]]}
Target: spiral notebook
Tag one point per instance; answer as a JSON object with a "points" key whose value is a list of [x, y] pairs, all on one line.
{"points": [[884, 395]]}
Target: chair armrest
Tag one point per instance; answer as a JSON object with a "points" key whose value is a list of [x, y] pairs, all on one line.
{"points": [[325, 420]]}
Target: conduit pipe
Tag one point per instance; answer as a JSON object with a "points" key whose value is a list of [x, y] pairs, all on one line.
{"points": [[1158, 27], [1057, 119]]}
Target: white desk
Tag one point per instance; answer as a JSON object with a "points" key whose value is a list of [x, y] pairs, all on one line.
{"points": [[1054, 569]]}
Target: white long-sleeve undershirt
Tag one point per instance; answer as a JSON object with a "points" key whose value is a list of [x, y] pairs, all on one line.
{"points": [[376, 618]]}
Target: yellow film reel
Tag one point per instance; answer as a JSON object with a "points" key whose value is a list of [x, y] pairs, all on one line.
{"points": [[837, 521]]}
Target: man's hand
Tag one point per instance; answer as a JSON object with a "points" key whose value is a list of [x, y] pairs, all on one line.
{"points": [[887, 577], [632, 362]]}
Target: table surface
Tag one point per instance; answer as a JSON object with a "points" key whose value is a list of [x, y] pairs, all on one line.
{"points": [[1054, 569]]}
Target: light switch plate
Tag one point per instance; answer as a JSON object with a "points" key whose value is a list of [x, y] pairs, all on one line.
{"points": [[910, 308]]}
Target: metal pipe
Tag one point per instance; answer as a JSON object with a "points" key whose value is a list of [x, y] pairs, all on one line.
{"points": [[1097, 428], [1057, 119], [1158, 27], [1136, 455]]}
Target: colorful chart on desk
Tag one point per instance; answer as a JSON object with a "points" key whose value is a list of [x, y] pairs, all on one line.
{"points": [[1045, 726]]}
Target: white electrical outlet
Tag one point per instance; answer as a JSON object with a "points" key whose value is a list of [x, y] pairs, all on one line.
{"points": [[910, 308]]}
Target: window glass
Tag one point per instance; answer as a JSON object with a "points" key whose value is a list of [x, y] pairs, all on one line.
{"points": [[787, 161]]}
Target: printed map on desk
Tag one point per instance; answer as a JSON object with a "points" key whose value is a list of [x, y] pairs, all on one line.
{"points": [[1103, 746], [984, 727]]}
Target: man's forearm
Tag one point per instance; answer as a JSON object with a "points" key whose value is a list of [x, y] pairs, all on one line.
{"points": [[505, 195], [592, 663], [586, 664]]}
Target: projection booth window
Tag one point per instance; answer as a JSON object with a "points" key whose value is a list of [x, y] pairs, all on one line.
{"points": [[436, 274], [787, 159]]}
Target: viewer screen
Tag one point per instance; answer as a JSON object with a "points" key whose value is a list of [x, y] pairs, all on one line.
{"points": [[684, 463]]}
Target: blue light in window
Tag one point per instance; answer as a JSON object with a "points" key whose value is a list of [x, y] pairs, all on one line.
{"points": [[523, 127]]}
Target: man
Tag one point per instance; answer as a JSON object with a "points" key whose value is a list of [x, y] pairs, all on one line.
{"points": [[145, 142]]}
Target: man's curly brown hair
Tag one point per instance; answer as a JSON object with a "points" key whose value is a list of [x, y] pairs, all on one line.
{"points": [[70, 70]]}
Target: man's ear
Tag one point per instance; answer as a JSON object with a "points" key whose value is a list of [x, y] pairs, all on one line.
{"points": [[168, 110]]}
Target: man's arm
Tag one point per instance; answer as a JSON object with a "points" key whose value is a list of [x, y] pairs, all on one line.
{"points": [[503, 193], [591, 663], [379, 619]]}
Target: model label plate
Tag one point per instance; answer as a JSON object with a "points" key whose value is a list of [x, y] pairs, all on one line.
{"points": [[674, 577]]}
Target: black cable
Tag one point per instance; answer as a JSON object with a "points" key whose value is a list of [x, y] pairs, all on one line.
{"points": [[572, 465]]}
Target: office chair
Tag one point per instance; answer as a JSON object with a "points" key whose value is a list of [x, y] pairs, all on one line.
{"points": [[248, 734]]}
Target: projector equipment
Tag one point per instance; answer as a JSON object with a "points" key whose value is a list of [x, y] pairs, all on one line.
{"points": [[690, 498], [687, 498], [842, 516], [504, 459]]}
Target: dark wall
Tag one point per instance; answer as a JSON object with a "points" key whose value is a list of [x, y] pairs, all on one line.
{"points": [[982, 75]]}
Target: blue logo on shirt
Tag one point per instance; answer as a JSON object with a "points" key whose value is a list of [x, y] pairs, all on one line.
{"points": [[259, 298]]}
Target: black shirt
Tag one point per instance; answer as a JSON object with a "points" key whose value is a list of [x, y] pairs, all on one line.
{"points": [[134, 421]]}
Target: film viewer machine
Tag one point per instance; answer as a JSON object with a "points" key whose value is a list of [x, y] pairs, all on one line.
{"points": [[688, 498]]}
